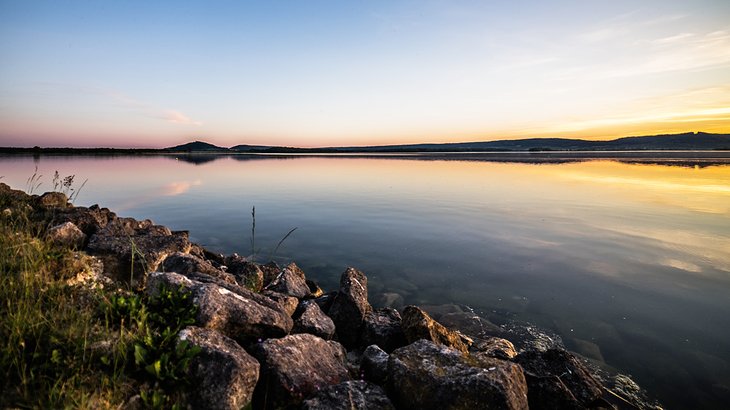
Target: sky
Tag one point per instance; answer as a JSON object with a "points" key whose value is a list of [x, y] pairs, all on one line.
{"points": [[335, 73]]}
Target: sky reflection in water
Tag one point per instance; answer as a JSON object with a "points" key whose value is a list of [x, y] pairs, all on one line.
{"points": [[632, 257]]}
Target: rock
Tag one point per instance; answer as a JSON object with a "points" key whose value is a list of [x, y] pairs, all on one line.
{"points": [[587, 349], [494, 347], [469, 324], [417, 324], [295, 367], [425, 375], [389, 299], [350, 395], [53, 200], [223, 374], [374, 364], [325, 301], [287, 303], [350, 306], [90, 220], [247, 274], [556, 378], [130, 248], [243, 316], [290, 281], [382, 327], [67, 235], [314, 290], [186, 264], [271, 271], [312, 320]]}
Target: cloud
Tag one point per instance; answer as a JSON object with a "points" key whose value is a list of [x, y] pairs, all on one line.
{"points": [[179, 118]]}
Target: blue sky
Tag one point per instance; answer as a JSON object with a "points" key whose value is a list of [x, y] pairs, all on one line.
{"points": [[315, 73]]}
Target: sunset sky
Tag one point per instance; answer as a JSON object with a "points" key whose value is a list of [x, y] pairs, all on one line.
{"points": [[326, 73]]}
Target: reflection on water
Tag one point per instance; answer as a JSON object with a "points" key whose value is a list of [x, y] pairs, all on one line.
{"points": [[628, 261]]}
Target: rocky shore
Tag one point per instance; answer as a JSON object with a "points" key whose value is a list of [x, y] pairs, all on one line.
{"points": [[270, 338]]}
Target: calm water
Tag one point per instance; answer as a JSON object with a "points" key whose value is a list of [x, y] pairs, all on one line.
{"points": [[633, 258]]}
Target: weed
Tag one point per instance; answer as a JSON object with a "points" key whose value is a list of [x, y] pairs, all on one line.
{"points": [[253, 238], [33, 182]]}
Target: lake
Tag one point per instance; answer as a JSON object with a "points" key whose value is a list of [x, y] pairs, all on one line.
{"points": [[626, 257]]}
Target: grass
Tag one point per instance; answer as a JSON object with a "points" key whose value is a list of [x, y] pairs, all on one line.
{"points": [[73, 346]]}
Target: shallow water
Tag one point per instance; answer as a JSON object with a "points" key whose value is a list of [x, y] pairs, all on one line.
{"points": [[628, 261]]}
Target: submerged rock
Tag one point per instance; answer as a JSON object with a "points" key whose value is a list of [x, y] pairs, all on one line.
{"points": [[425, 375], [417, 325], [223, 374], [557, 379], [351, 395], [350, 306], [295, 367]]}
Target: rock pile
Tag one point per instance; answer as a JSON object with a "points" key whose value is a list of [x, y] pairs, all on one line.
{"points": [[270, 337]]}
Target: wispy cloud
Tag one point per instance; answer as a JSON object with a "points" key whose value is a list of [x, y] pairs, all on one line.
{"points": [[179, 118]]}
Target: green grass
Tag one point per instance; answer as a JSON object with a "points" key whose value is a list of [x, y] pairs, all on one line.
{"points": [[64, 346]]}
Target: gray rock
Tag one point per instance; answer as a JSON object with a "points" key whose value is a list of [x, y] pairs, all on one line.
{"points": [[494, 347], [295, 367], [350, 395], [243, 316], [90, 220], [383, 328], [374, 364], [469, 324], [417, 325], [312, 320], [130, 249], [186, 264], [68, 235], [286, 303], [223, 374], [557, 379], [350, 306], [425, 375], [290, 281], [247, 274]]}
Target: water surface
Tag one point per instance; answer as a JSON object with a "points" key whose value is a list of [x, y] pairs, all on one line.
{"points": [[630, 257]]}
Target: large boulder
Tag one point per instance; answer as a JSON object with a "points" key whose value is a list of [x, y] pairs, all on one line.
{"points": [[351, 395], [52, 200], [295, 367], [425, 375], [310, 319], [130, 248], [186, 264], [67, 234], [350, 306], [382, 327], [290, 281], [557, 379], [223, 374], [417, 325], [243, 315]]}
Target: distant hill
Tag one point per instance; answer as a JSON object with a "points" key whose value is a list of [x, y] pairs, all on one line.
{"points": [[249, 148], [686, 141], [196, 146]]}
